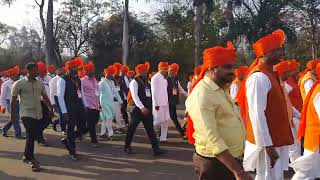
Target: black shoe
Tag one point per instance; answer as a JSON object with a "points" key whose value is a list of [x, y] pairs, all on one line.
{"points": [[65, 143], [54, 126], [158, 151], [24, 159], [5, 134], [128, 149], [73, 157]]}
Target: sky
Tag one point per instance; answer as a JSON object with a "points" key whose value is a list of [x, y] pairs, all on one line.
{"points": [[25, 12]]}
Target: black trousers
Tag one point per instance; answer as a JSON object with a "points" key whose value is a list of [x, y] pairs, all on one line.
{"points": [[147, 121], [77, 118], [46, 120], [92, 120], [124, 111], [211, 169], [174, 118], [33, 131]]}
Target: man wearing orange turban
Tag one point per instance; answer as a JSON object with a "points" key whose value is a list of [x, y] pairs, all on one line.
{"points": [[91, 94], [174, 91], [45, 79], [239, 74], [13, 75], [308, 78], [218, 133], [51, 69], [123, 82], [284, 69], [130, 75], [70, 99], [307, 166], [160, 100], [140, 90], [266, 111]]}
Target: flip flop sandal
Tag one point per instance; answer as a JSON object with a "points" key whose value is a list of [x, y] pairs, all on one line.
{"points": [[35, 167]]}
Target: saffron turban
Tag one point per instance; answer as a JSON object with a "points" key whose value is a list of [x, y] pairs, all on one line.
{"points": [[163, 65], [75, 63], [110, 69], [313, 63], [89, 66], [13, 71], [142, 67], [41, 67], [51, 68], [130, 73], [125, 69], [175, 67], [293, 65], [282, 67]]}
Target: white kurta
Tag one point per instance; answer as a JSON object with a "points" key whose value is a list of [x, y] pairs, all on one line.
{"points": [[234, 89], [294, 149], [308, 85], [308, 166], [258, 86], [159, 93]]}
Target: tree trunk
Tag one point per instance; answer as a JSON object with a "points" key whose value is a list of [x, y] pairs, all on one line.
{"points": [[51, 57], [197, 34], [125, 34]]}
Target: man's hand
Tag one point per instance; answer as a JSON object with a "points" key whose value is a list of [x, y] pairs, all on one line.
{"points": [[66, 117], [273, 155], [157, 108], [145, 111], [243, 176]]}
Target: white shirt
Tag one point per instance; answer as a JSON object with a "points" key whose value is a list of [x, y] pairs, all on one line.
{"points": [[134, 93], [308, 85], [258, 86], [316, 104], [53, 88], [234, 89], [4, 79], [45, 81], [6, 93], [126, 80], [181, 90], [295, 112], [159, 90], [115, 90]]}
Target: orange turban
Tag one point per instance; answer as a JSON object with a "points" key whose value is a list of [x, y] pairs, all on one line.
{"points": [[197, 70], [89, 66], [282, 67], [272, 41], [130, 73], [125, 69], [241, 70], [118, 66], [110, 69], [313, 63], [218, 55], [318, 69], [51, 68], [293, 65], [41, 67], [142, 67], [175, 67], [13, 71], [163, 65], [75, 63]]}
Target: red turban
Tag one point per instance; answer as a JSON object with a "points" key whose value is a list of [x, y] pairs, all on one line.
{"points": [[197, 70], [312, 64], [241, 70], [125, 69], [89, 66], [272, 41], [51, 68], [130, 73], [42, 67], [13, 71], [293, 65], [175, 67], [81, 73], [110, 69], [163, 65], [75, 63], [142, 67], [118, 66]]}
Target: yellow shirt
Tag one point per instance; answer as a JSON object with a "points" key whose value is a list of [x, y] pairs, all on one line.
{"points": [[29, 93], [216, 120]]}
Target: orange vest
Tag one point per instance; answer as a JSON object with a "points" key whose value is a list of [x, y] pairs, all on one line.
{"points": [[310, 123], [276, 110], [303, 79], [295, 95]]}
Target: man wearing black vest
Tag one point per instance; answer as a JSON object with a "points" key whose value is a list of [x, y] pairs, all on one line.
{"points": [[140, 90], [71, 105], [174, 91], [123, 82]]}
